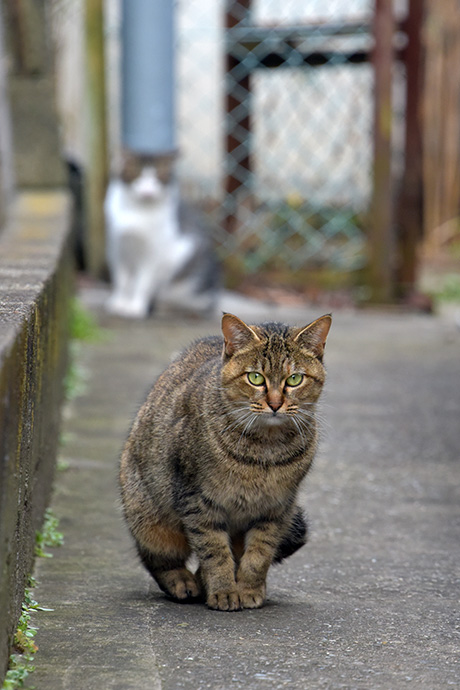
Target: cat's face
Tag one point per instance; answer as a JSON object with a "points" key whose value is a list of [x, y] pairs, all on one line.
{"points": [[132, 166], [147, 186], [273, 374], [145, 176]]}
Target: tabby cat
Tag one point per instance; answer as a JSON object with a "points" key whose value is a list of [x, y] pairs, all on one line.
{"points": [[215, 457]]}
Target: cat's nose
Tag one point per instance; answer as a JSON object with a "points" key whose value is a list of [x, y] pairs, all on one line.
{"points": [[275, 404]]}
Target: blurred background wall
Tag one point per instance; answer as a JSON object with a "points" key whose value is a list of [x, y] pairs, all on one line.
{"points": [[320, 139]]}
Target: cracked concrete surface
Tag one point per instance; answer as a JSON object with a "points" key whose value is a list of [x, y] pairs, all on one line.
{"points": [[371, 602]]}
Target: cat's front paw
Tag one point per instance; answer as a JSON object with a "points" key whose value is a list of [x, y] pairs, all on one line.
{"points": [[225, 600], [251, 597]]}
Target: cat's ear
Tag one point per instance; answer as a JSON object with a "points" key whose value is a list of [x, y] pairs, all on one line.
{"points": [[313, 337], [236, 334]]}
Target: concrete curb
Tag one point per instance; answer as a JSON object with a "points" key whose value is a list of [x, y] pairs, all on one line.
{"points": [[35, 288]]}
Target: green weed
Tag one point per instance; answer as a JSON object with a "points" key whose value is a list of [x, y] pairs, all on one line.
{"points": [[18, 672], [450, 290], [62, 465], [21, 666], [21, 662], [48, 536], [83, 329], [83, 325], [75, 379]]}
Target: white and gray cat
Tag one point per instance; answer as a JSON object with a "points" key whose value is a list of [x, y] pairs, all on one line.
{"points": [[154, 252]]}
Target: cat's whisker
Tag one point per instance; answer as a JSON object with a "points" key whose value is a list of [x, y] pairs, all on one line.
{"points": [[318, 417], [241, 411], [235, 425], [243, 417], [246, 429], [306, 421], [320, 423], [299, 429], [312, 414], [232, 410], [308, 432]]}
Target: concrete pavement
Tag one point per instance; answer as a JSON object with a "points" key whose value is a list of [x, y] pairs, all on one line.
{"points": [[372, 602]]}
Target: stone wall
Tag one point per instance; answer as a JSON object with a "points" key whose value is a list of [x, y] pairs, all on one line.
{"points": [[36, 282]]}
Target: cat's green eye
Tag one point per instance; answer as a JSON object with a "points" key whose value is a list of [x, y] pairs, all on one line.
{"points": [[255, 378], [294, 380]]}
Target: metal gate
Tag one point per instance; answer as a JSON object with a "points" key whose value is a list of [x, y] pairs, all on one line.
{"points": [[276, 132]]}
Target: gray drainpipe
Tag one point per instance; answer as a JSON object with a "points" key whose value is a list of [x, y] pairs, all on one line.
{"points": [[148, 98]]}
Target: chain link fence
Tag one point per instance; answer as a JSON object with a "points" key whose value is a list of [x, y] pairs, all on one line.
{"points": [[275, 116], [275, 126]]}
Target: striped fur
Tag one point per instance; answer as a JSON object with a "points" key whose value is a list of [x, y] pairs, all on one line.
{"points": [[213, 462]]}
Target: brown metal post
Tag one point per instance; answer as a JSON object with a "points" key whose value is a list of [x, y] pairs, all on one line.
{"points": [[97, 167], [381, 239], [409, 221], [237, 121]]}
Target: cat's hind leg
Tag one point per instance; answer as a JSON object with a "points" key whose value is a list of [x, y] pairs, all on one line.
{"points": [[295, 537], [165, 557]]}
